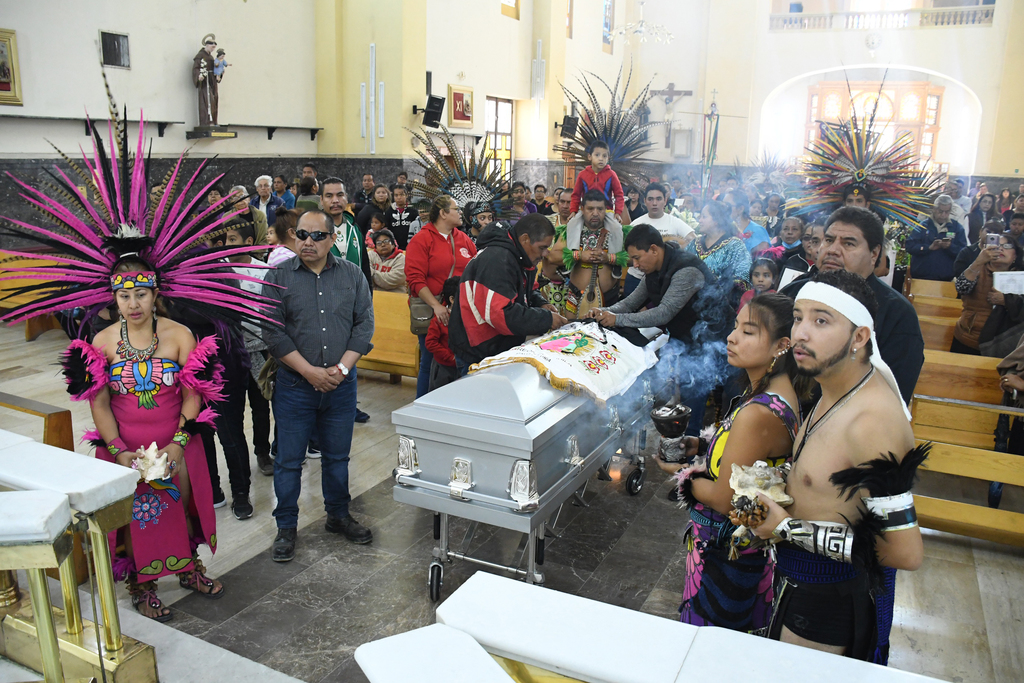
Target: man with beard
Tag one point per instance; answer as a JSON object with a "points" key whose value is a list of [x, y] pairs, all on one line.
{"points": [[854, 241], [594, 254], [852, 522]]}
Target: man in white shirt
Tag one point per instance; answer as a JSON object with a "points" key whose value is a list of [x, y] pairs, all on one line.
{"points": [[671, 228]]}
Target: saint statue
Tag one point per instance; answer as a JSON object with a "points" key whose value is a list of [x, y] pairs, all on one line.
{"points": [[205, 80]]}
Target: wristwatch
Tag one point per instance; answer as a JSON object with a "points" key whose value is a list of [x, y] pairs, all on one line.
{"points": [[343, 369]]}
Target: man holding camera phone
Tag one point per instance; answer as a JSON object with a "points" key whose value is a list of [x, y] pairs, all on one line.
{"points": [[933, 248]]}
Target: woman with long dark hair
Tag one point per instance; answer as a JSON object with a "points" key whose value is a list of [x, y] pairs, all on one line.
{"points": [[984, 210], [720, 249], [380, 202], [148, 379], [760, 425], [987, 312]]}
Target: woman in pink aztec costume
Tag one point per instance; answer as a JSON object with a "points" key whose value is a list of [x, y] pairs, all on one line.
{"points": [[146, 377]]}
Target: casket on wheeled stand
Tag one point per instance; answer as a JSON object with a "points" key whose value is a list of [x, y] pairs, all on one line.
{"points": [[503, 447]]}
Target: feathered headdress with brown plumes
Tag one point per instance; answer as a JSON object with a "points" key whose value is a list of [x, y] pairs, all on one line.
{"points": [[620, 125], [771, 174], [474, 177], [849, 156], [85, 240]]}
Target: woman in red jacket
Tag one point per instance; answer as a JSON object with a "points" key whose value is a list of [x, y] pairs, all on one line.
{"points": [[437, 252]]}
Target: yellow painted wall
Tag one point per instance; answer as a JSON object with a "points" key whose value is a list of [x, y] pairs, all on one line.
{"points": [[1007, 157], [344, 32], [732, 38]]}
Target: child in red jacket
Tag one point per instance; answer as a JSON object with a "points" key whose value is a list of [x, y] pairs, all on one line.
{"points": [[443, 369], [599, 176]]}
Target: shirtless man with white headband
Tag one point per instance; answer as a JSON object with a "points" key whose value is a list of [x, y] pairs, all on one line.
{"points": [[855, 452]]}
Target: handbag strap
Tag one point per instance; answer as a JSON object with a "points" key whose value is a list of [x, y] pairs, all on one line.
{"points": [[452, 236]]}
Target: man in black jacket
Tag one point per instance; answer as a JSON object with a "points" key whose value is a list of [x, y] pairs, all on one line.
{"points": [[671, 283], [497, 306], [854, 239]]}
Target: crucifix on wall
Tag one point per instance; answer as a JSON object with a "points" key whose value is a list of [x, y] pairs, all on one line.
{"points": [[670, 94]]}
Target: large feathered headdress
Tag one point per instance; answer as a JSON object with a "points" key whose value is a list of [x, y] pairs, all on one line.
{"points": [[849, 158], [771, 174], [85, 239], [621, 125], [475, 179]]}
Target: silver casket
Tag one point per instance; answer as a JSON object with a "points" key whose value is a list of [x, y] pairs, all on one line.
{"points": [[503, 447]]}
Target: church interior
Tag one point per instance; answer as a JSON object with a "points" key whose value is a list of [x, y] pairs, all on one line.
{"points": [[577, 575]]}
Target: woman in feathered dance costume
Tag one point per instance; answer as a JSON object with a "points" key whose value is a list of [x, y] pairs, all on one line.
{"points": [[146, 378], [736, 593]]}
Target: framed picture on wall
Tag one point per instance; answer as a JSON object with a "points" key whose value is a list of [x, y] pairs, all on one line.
{"points": [[460, 107], [607, 26], [10, 79]]}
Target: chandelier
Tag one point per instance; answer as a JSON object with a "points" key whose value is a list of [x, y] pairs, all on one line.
{"points": [[644, 30]]}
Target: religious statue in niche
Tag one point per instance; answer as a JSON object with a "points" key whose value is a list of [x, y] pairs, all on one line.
{"points": [[206, 75]]}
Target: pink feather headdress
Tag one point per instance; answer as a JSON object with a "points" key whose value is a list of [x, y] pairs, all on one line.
{"points": [[85, 240]]}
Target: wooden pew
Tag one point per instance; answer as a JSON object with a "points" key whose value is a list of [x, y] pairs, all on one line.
{"points": [[958, 377], [966, 519], [396, 350], [937, 331], [33, 326], [939, 306], [932, 288]]}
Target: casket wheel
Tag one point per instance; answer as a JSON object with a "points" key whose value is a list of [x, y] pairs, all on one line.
{"points": [[435, 580], [635, 481]]}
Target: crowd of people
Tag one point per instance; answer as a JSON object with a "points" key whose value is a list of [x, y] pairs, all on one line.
{"points": [[826, 356]]}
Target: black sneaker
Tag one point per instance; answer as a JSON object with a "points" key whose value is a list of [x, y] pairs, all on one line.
{"points": [[219, 500], [349, 528], [361, 417], [241, 507], [265, 464], [284, 546], [313, 450]]}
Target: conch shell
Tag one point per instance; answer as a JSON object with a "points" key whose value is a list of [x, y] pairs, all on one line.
{"points": [[748, 511], [150, 464], [759, 478]]}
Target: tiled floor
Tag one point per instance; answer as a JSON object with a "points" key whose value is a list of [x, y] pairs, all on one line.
{"points": [[958, 618]]}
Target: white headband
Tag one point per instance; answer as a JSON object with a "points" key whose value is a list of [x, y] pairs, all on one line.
{"points": [[854, 311]]}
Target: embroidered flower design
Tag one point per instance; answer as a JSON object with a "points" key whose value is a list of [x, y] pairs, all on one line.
{"points": [[147, 508]]}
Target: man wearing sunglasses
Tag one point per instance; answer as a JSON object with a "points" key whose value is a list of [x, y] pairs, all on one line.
{"points": [[325, 316]]}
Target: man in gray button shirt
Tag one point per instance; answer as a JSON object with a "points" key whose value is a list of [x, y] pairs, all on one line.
{"points": [[326, 323]]}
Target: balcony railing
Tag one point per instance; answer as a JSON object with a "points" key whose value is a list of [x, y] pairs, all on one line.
{"points": [[913, 18]]}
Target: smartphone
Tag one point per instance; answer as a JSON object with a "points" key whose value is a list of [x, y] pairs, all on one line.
{"points": [[950, 234], [991, 240]]}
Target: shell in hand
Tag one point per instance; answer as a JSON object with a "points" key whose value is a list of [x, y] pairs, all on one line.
{"points": [[759, 478], [150, 464]]}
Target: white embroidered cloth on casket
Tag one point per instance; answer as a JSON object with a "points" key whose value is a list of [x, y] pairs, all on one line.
{"points": [[580, 357]]}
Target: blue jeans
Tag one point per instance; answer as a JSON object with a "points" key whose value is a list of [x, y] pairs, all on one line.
{"points": [[426, 358], [462, 366], [298, 410]]}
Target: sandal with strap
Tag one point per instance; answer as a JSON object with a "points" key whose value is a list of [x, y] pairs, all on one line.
{"points": [[196, 580], [144, 594]]}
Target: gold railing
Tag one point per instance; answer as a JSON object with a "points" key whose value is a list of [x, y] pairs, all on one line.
{"points": [[855, 21]]}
